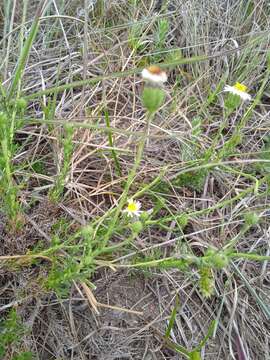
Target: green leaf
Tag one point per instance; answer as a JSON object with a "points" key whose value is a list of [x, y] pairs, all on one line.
{"points": [[172, 318], [26, 49]]}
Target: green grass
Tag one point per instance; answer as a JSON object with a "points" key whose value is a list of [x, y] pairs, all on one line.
{"points": [[80, 134]]}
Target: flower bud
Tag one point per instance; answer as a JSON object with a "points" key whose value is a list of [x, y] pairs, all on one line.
{"points": [[153, 98], [136, 227]]}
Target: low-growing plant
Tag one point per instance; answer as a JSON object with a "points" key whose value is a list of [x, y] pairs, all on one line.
{"points": [[11, 116], [12, 107], [78, 256], [206, 149], [11, 331], [8, 188]]}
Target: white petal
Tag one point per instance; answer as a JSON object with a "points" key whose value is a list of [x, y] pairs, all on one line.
{"points": [[138, 205], [156, 78], [229, 88], [129, 213], [244, 95]]}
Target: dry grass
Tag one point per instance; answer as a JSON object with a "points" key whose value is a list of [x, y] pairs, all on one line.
{"points": [[81, 44]]}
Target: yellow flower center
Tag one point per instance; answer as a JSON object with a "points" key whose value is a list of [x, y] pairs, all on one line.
{"points": [[132, 207], [240, 87]]}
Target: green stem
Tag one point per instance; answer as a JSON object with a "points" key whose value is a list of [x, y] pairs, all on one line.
{"points": [[26, 49], [255, 257], [212, 208], [130, 179], [110, 249], [248, 176], [110, 138], [126, 73], [155, 263], [211, 151]]}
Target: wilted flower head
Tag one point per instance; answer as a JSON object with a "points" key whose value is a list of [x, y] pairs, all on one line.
{"points": [[238, 89], [133, 208], [155, 75]]}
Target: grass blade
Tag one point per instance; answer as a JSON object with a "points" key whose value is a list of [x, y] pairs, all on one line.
{"points": [[172, 318], [110, 138], [26, 49]]}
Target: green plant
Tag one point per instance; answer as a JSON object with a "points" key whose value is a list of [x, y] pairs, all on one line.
{"points": [[8, 187], [162, 30], [194, 180], [11, 331], [12, 108], [212, 260], [135, 38], [27, 355]]}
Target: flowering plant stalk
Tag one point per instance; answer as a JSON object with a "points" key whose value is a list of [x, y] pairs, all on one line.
{"points": [[131, 176], [152, 98]]}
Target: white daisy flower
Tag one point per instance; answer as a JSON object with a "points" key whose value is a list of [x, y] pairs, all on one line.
{"points": [[155, 75], [133, 208], [238, 89]]}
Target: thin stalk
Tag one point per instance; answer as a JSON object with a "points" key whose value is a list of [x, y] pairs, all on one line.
{"points": [[7, 50], [215, 207], [172, 317], [241, 173], [26, 49], [249, 256], [155, 263], [25, 4], [265, 308], [110, 139], [122, 74], [130, 179]]}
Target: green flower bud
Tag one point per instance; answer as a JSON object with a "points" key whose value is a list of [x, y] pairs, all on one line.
{"points": [[182, 221], [145, 215], [195, 355], [206, 282], [136, 227], [87, 260], [220, 261], [210, 252], [153, 98], [251, 219], [232, 102], [87, 231]]}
